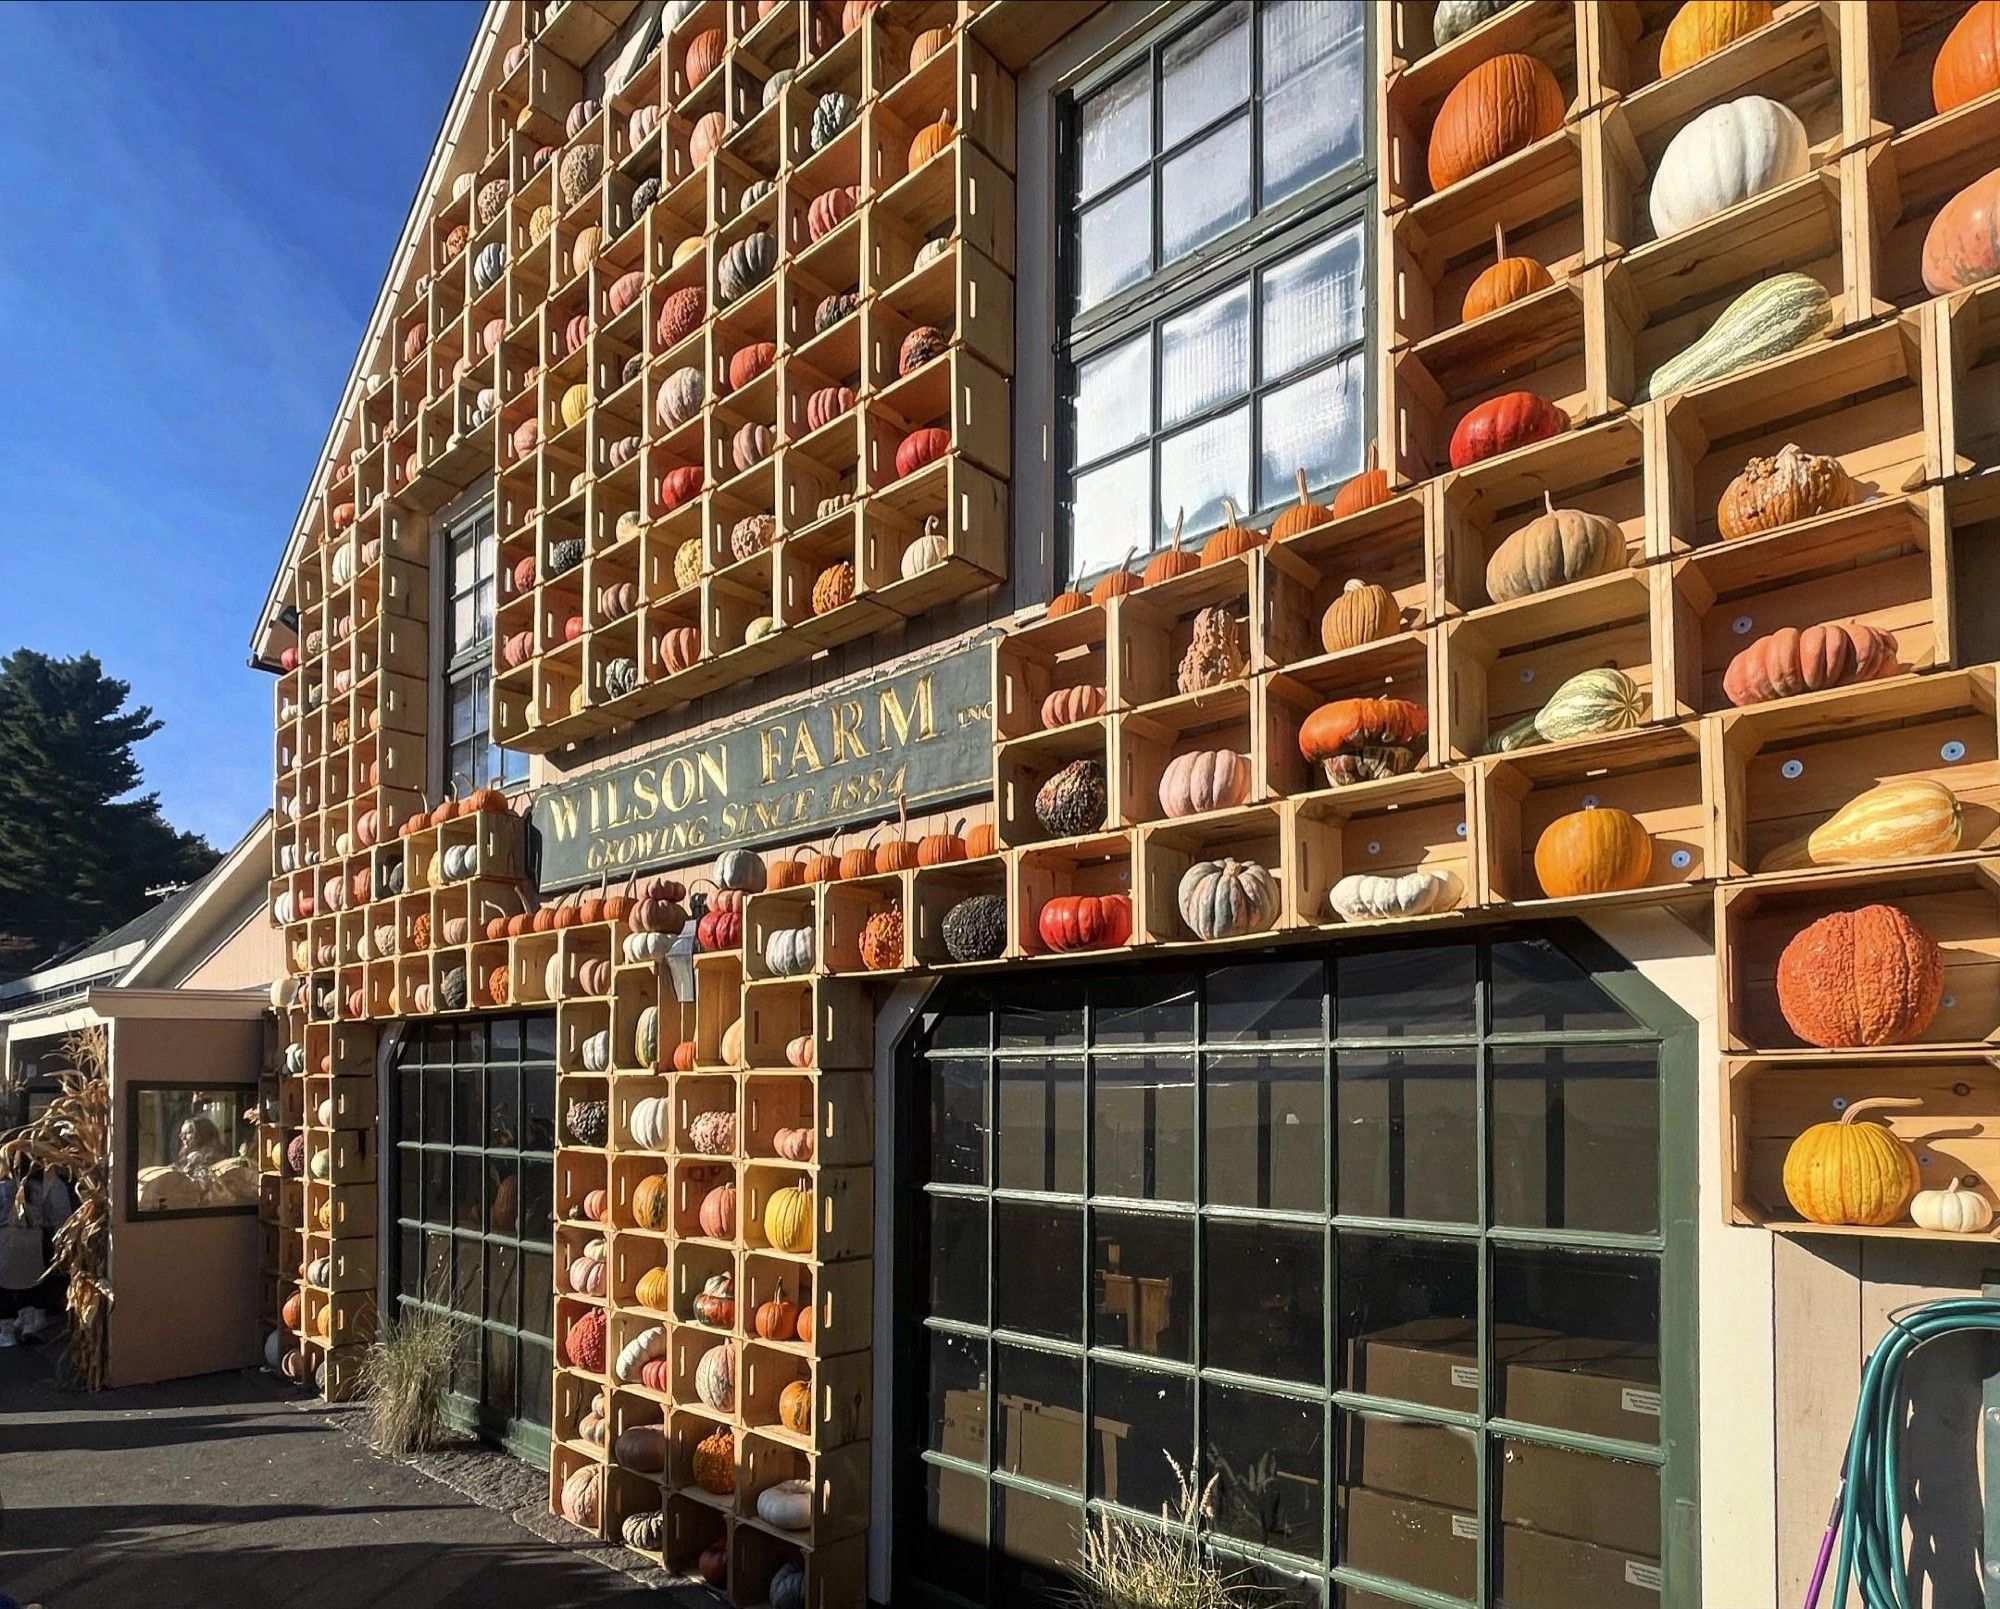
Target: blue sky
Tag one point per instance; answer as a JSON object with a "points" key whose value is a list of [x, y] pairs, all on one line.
{"points": [[199, 203]]}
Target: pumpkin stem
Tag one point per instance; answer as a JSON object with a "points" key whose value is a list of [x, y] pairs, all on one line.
{"points": [[1876, 1103], [1180, 519], [1299, 475], [1229, 509], [1499, 243], [1372, 456], [1549, 503]]}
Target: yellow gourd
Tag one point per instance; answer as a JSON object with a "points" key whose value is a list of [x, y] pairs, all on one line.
{"points": [[788, 1218], [1846, 1172], [1890, 821], [1702, 27]]}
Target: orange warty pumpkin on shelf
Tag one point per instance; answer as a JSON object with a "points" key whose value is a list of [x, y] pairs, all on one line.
{"points": [[1503, 105], [1365, 490], [1508, 279], [1870, 976]]}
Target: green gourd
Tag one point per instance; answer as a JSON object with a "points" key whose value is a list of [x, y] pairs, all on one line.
{"points": [[1771, 318], [1589, 703], [646, 1037]]}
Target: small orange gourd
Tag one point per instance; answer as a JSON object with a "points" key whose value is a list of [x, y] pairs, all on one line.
{"points": [[1171, 560], [1365, 490], [1302, 516], [1117, 582], [1232, 541], [931, 139]]}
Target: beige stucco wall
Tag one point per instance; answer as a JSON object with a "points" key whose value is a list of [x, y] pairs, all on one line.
{"points": [[185, 1291], [249, 958]]}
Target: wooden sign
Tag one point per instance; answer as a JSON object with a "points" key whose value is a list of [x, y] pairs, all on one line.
{"points": [[837, 757]]}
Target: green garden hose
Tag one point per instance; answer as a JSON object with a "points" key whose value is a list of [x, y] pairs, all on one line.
{"points": [[1868, 1509]]}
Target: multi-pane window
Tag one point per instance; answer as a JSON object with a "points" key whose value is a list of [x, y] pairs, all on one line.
{"points": [[474, 1121], [1215, 251], [1380, 1243], [472, 758]]}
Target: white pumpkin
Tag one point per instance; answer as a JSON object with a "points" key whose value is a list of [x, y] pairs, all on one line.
{"points": [[787, 1505], [597, 1051], [648, 1123], [1954, 1210], [552, 978], [1368, 896], [927, 552], [788, 951], [647, 946], [1726, 155]]}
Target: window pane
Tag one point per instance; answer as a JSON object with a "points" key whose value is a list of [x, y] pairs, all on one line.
{"points": [[1114, 244], [1114, 399], [1317, 424], [1267, 1000], [1039, 1111], [1589, 1324], [1038, 1280], [1144, 1008], [1576, 1137], [1266, 1454], [1408, 1123], [1263, 1299], [1142, 1272], [1139, 1418], [1111, 513], [1205, 355], [1588, 1519], [1409, 1502], [953, 1541], [953, 1243], [1266, 1136], [1200, 467], [1038, 1415], [1405, 993], [958, 1122], [1114, 130], [1300, 35], [1407, 1321], [1313, 304], [1052, 1016], [1142, 1113], [1204, 73], [1205, 190], [955, 1374], [1539, 989], [1314, 93], [1037, 1541]]}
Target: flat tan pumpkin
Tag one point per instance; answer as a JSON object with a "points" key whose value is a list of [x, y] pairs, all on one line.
{"points": [[1364, 612]]}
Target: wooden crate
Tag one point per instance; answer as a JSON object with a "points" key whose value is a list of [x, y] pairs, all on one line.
{"points": [[1890, 59], [1655, 775], [840, 1387], [1024, 764], [1860, 399], [1168, 849], [1966, 327], [1146, 743], [935, 890], [1051, 654], [1955, 1133], [1403, 667], [839, 1296], [1388, 828], [1300, 578], [846, 909], [1782, 769], [839, 1109], [843, 1208], [1957, 903], [839, 1481], [834, 1013], [1098, 865]]}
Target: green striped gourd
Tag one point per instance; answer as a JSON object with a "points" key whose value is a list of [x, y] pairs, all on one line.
{"points": [[1590, 703], [646, 1039], [1899, 820], [1776, 316]]}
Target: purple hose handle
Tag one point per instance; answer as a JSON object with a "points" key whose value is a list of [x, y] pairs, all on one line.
{"points": [[1826, 1546]]}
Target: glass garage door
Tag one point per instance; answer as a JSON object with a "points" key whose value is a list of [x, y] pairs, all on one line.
{"points": [[1390, 1245], [475, 1132]]}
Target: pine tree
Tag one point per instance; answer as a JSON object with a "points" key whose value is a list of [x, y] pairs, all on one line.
{"points": [[76, 854]]}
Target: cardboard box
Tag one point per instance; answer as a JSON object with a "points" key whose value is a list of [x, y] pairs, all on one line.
{"points": [[1041, 1442], [1590, 1387], [963, 1433], [1406, 1539], [1599, 1500], [1436, 1463], [1434, 1361], [1554, 1572]]}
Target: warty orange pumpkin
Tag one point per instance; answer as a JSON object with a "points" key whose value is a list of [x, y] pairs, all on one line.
{"points": [[1870, 976]]}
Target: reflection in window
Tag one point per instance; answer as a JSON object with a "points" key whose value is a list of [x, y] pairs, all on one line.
{"points": [[193, 1150]]}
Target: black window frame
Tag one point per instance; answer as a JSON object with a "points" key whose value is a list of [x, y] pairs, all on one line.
{"points": [[468, 666], [129, 1162], [1310, 216]]}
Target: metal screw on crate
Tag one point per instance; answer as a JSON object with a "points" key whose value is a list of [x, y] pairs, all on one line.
{"points": [[1952, 752], [1792, 770]]}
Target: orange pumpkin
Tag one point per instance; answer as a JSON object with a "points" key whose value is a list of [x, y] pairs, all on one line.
{"points": [[931, 139], [652, 1201], [776, 1319], [685, 1056], [1962, 245], [940, 848], [1067, 602], [1968, 65], [1507, 280], [715, 1462], [1171, 560], [1365, 490], [822, 866], [789, 872], [795, 1404], [1116, 583], [1702, 27], [859, 862], [1596, 850], [1233, 540], [981, 841], [1863, 977], [898, 854], [1503, 105], [704, 55]]}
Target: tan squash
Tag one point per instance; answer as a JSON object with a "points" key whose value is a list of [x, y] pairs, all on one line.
{"points": [[1364, 612]]}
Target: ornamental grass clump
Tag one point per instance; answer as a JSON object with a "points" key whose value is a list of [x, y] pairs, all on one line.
{"points": [[1128, 1564], [404, 1378]]}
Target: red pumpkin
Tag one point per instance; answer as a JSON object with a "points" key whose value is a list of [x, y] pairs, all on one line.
{"points": [[719, 930], [1512, 419], [747, 362], [1085, 921], [1968, 65], [921, 447], [678, 647], [680, 315], [678, 485], [1962, 246]]}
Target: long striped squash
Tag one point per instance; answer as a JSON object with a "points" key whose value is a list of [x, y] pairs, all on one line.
{"points": [[1590, 702], [1768, 320], [1890, 821]]}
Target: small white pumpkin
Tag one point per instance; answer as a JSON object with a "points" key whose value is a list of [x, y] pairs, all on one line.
{"points": [[552, 978], [648, 1122], [647, 946], [647, 1345], [1726, 155], [787, 1505], [1954, 1210], [1368, 896], [597, 1051], [927, 552]]}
